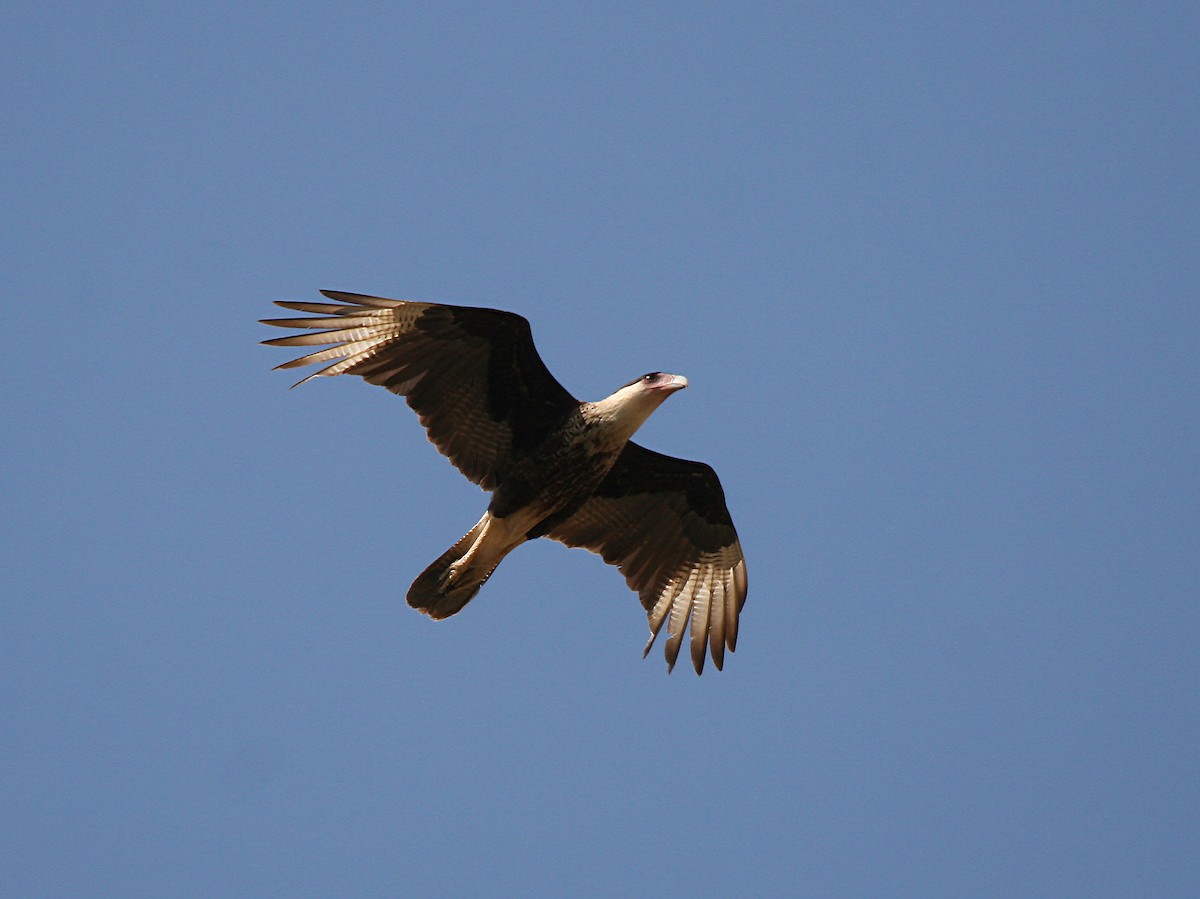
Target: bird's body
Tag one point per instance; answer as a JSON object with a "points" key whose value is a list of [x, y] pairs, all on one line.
{"points": [[556, 467], [541, 487]]}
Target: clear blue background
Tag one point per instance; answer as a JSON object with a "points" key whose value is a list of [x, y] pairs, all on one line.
{"points": [[932, 270]]}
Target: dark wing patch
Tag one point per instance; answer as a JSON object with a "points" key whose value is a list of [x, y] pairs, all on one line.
{"points": [[472, 375], [663, 521]]}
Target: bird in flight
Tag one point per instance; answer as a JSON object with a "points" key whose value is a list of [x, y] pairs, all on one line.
{"points": [[556, 467]]}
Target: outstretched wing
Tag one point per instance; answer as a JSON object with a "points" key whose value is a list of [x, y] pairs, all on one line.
{"points": [[472, 375], [664, 523]]}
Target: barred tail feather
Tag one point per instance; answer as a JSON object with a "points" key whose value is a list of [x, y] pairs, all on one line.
{"points": [[452, 581]]}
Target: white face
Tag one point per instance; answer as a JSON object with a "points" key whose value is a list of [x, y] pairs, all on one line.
{"points": [[630, 406], [660, 381]]}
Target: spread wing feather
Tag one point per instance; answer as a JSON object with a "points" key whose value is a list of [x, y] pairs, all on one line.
{"points": [[472, 375], [663, 521]]}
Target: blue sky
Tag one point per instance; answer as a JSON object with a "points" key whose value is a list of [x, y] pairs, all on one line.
{"points": [[932, 272]]}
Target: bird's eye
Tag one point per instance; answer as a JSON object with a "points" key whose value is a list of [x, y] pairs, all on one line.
{"points": [[650, 377]]}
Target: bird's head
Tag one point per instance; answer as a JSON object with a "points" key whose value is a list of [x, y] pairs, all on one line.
{"points": [[630, 406], [657, 384]]}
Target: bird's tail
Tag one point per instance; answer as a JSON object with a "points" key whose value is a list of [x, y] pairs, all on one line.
{"points": [[453, 580]]}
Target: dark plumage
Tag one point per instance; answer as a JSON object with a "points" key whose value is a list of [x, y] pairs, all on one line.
{"points": [[556, 467]]}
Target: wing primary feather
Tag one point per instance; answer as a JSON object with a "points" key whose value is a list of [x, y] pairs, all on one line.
{"points": [[373, 318], [657, 617], [359, 299], [317, 308], [349, 352], [340, 336], [658, 614], [716, 618], [329, 371], [677, 622], [734, 605], [701, 601]]}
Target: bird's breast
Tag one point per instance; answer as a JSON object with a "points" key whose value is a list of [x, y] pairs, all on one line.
{"points": [[559, 474]]}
